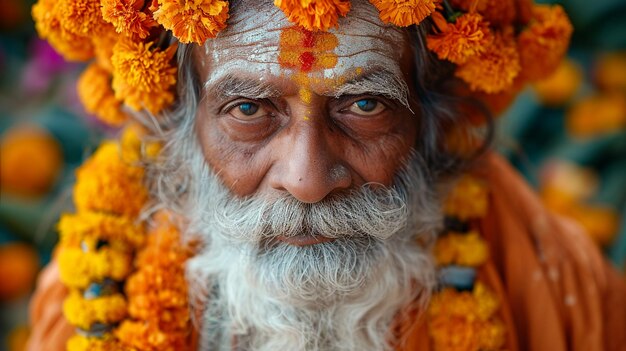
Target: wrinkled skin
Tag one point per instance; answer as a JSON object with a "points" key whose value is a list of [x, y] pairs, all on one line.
{"points": [[270, 138]]}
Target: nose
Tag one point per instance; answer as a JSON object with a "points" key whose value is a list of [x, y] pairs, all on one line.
{"points": [[310, 169]]}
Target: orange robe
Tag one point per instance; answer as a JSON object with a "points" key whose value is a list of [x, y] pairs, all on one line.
{"points": [[557, 292]]}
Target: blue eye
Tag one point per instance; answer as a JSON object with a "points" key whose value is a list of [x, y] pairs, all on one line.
{"points": [[248, 108], [367, 105]]}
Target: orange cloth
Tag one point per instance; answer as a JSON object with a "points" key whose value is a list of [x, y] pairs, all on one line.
{"points": [[557, 292]]}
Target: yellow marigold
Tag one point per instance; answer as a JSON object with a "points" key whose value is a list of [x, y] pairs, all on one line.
{"points": [[78, 268], [497, 12], [610, 71], [404, 12], [73, 47], [81, 17], [597, 114], [558, 88], [468, 199], [82, 312], [84, 343], [467, 249], [314, 14], [495, 69], [192, 21], [143, 76], [547, 37], [465, 320], [458, 41], [137, 335], [106, 183], [30, 161], [74, 228], [97, 96], [128, 17]]}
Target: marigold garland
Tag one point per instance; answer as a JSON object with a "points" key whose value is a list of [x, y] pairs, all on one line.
{"points": [[467, 249], [75, 228], [192, 21], [83, 343], [467, 36], [143, 75], [404, 13], [495, 69], [78, 268], [97, 96], [108, 184], [498, 12], [468, 199], [83, 312], [128, 17], [314, 15], [547, 36]]}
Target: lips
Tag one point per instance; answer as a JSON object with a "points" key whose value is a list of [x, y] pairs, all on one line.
{"points": [[304, 239]]}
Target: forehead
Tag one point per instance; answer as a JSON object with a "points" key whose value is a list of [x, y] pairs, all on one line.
{"points": [[260, 41]]}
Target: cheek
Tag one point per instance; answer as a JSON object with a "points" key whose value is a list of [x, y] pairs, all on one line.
{"points": [[241, 168], [378, 159]]}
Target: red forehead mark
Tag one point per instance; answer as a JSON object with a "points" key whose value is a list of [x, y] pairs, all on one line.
{"points": [[307, 51]]}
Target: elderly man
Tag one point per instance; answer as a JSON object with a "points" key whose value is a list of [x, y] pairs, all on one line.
{"points": [[310, 168]]}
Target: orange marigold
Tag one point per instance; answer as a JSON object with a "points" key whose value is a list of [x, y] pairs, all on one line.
{"points": [[597, 114], [559, 87], [48, 25], [314, 14], [97, 96], [547, 37], [192, 21], [610, 71], [404, 12], [468, 36], [497, 12], [106, 183], [143, 76], [495, 69], [128, 17], [81, 17], [103, 46]]}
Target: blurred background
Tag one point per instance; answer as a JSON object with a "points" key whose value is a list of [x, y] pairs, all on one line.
{"points": [[567, 135]]}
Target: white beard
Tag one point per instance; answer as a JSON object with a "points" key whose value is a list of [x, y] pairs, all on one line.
{"points": [[339, 295]]}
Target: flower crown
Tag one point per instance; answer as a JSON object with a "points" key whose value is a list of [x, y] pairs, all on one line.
{"points": [[496, 45]]}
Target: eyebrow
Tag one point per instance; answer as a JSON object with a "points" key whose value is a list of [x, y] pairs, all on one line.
{"points": [[375, 81]]}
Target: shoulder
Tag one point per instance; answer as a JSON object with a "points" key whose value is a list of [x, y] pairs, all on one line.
{"points": [[560, 290]]}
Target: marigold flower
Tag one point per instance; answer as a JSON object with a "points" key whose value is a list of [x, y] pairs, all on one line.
{"points": [[495, 69], [78, 268], [558, 88], [547, 36], [81, 17], [465, 320], [497, 12], [404, 12], [97, 96], [103, 46], [192, 21], [74, 228], [83, 312], [467, 249], [468, 36], [610, 71], [597, 114], [143, 76], [314, 14], [128, 17], [106, 183], [83, 343], [468, 199], [137, 335], [73, 47], [30, 161]]}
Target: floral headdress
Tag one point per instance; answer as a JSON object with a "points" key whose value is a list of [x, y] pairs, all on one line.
{"points": [[495, 44]]}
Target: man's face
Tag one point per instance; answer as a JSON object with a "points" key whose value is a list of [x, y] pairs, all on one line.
{"points": [[309, 114]]}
